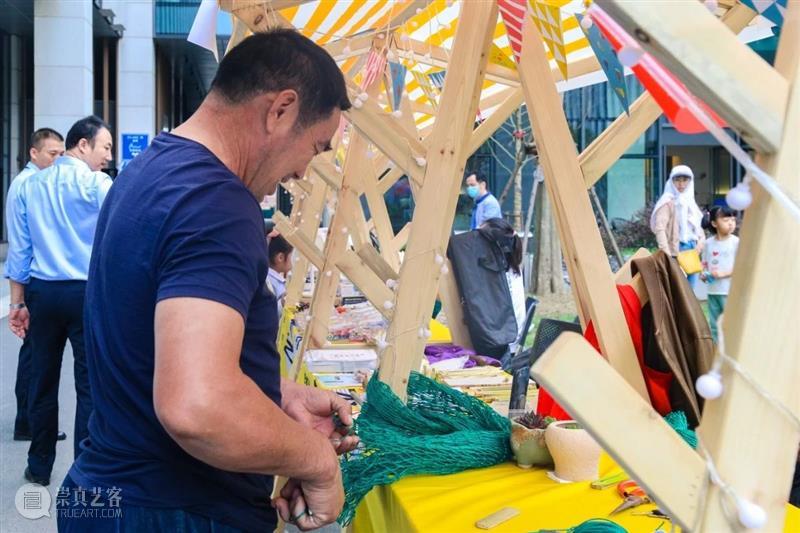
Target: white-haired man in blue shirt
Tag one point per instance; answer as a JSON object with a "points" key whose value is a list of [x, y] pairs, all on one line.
{"points": [[50, 243], [46, 145]]}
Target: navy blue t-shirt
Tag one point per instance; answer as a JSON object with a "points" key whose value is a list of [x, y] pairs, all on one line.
{"points": [[176, 223]]}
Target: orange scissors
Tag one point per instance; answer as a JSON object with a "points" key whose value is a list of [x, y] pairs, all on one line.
{"points": [[633, 495]]}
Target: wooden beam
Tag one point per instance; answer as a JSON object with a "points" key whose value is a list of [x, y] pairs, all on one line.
{"points": [[714, 65], [260, 15], [326, 170], [433, 215], [606, 149], [401, 238], [615, 140], [376, 263], [309, 223], [513, 100], [388, 135], [590, 273], [625, 426], [440, 57], [299, 240], [367, 281], [761, 332]]}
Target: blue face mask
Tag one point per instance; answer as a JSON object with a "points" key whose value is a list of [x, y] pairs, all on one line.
{"points": [[472, 191]]}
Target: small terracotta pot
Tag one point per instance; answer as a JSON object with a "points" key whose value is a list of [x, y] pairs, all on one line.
{"points": [[529, 446], [575, 452]]}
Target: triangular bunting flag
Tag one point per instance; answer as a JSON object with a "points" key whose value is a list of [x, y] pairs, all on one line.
{"points": [[608, 60], [513, 13], [398, 72]]}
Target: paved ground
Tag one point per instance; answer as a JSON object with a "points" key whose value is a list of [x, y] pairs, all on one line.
{"points": [[13, 455]]}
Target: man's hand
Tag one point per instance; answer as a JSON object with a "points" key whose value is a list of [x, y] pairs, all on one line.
{"points": [[314, 408], [311, 505], [19, 321]]}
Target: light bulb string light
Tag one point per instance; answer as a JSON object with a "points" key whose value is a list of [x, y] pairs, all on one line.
{"points": [[728, 494], [723, 358]]}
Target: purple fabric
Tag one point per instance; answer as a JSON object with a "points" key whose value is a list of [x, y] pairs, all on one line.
{"points": [[441, 352]]}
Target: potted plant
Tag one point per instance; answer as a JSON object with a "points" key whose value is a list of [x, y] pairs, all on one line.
{"points": [[528, 440], [575, 452]]}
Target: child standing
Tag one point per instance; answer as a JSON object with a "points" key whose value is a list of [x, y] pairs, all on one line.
{"points": [[718, 258], [280, 264]]}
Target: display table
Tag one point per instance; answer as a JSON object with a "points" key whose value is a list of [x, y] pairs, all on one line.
{"points": [[455, 502]]}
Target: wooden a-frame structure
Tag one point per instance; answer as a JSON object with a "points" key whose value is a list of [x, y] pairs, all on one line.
{"points": [[756, 458]]}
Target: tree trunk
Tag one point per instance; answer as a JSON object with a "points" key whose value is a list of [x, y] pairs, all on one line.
{"points": [[516, 216], [549, 274]]}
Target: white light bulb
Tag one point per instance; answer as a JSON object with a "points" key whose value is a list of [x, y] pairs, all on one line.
{"points": [[421, 333], [629, 55], [444, 270], [751, 516], [328, 273], [358, 104], [420, 161], [370, 154], [381, 36], [363, 96], [404, 37], [709, 385], [419, 10], [316, 217], [302, 221], [428, 57], [587, 22], [711, 5], [391, 283], [390, 56], [346, 49], [388, 304], [381, 344], [397, 113], [439, 259], [303, 196], [344, 230], [299, 213], [739, 198]]}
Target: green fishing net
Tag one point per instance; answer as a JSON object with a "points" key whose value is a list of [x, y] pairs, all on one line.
{"points": [[438, 431]]}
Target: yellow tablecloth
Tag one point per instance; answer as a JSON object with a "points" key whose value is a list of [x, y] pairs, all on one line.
{"points": [[454, 503]]}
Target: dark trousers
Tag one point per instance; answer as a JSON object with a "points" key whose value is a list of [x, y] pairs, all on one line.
{"points": [[21, 426], [56, 309]]}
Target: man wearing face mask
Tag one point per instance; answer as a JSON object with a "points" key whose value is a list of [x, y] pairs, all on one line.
{"points": [[486, 205], [191, 418]]}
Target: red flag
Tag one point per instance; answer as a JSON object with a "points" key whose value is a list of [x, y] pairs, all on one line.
{"points": [[376, 62], [513, 13]]}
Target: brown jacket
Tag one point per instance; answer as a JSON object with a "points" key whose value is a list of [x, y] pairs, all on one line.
{"points": [[676, 335], [667, 230]]}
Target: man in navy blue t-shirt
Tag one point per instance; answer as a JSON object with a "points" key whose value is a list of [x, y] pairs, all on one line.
{"points": [[191, 418]]}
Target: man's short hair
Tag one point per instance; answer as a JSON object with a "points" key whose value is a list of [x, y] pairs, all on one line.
{"points": [[42, 134], [283, 59], [85, 128], [479, 177]]}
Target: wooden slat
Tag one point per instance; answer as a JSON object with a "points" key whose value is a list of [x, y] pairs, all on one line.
{"points": [[384, 131], [326, 170], [761, 331], [590, 273], [297, 239], [453, 309], [401, 238], [710, 60], [433, 215], [376, 263], [488, 127], [624, 425], [367, 282], [606, 149]]}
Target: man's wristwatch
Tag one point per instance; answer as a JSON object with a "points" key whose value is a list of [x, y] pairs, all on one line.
{"points": [[17, 306]]}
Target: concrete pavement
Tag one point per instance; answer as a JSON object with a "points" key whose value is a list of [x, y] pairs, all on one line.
{"points": [[13, 455]]}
